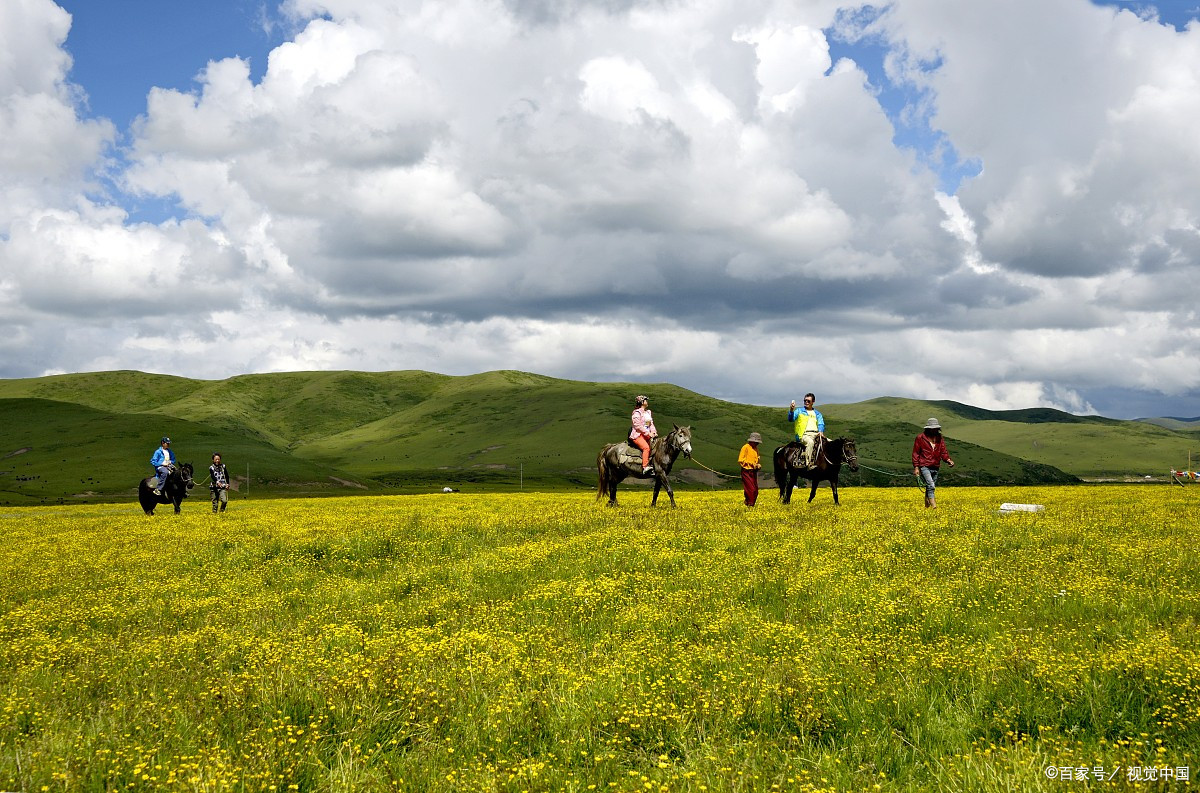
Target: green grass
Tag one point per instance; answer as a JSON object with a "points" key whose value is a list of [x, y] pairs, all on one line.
{"points": [[542, 642], [91, 435], [1086, 446], [56, 452]]}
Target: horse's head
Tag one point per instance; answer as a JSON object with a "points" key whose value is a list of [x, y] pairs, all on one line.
{"points": [[186, 473], [680, 439], [849, 453]]}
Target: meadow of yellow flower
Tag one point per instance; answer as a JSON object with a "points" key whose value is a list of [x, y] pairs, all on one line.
{"points": [[544, 642]]}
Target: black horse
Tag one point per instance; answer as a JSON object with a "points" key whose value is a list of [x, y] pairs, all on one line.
{"points": [[179, 481], [619, 460], [789, 466]]}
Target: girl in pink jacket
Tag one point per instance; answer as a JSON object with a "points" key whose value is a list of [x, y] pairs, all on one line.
{"points": [[643, 431]]}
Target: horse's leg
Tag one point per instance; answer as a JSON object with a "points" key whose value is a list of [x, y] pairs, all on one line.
{"points": [[670, 492], [612, 492], [813, 493], [833, 487], [657, 487]]}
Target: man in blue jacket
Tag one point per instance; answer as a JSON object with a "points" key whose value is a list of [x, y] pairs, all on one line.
{"points": [[163, 461], [809, 426]]}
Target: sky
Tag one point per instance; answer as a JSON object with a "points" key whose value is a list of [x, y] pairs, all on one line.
{"points": [[995, 203]]}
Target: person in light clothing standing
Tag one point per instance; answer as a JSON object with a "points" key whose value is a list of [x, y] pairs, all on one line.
{"points": [[929, 451], [218, 483], [749, 462], [809, 426]]}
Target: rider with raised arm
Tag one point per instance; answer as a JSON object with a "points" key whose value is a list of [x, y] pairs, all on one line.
{"points": [[809, 426]]}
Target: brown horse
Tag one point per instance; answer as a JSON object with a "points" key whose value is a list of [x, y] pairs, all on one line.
{"points": [[619, 460], [789, 466]]}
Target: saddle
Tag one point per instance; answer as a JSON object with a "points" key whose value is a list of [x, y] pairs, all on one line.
{"points": [[629, 455], [795, 454]]}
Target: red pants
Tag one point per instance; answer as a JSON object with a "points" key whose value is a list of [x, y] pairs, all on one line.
{"points": [[644, 445], [750, 485]]}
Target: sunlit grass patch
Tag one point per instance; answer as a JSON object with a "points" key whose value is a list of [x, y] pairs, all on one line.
{"points": [[543, 642]]}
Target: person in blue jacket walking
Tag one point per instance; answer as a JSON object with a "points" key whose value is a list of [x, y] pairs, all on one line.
{"points": [[163, 461]]}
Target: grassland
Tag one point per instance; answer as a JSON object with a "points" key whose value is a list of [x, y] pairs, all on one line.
{"points": [[89, 436], [1087, 446], [540, 642]]}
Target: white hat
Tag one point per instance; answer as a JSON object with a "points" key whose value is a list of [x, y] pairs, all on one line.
{"points": [[932, 424]]}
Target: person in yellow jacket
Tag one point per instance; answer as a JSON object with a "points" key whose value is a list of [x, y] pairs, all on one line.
{"points": [[748, 460], [809, 426]]}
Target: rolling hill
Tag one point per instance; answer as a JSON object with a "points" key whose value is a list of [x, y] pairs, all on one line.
{"points": [[1091, 447], [90, 436], [1191, 425]]}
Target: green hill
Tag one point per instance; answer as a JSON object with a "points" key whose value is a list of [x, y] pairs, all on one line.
{"points": [[91, 435], [1190, 426], [1086, 446], [52, 451]]}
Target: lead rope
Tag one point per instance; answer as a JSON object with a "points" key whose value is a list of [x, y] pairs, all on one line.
{"points": [[706, 468], [920, 484]]}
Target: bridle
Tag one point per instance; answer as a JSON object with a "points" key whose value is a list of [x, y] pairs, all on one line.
{"points": [[852, 457], [188, 478], [675, 444]]}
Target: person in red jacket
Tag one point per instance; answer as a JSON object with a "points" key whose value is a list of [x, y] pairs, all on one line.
{"points": [[929, 450]]}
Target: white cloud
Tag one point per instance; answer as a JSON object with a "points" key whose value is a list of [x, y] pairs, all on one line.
{"points": [[481, 184], [1083, 117], [48, 152]]}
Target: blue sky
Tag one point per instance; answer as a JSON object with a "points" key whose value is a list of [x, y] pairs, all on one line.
{"points": [[121, 50], [982, 202]]}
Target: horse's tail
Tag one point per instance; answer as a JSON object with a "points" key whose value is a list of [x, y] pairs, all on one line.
{"points": [[602, 470]]}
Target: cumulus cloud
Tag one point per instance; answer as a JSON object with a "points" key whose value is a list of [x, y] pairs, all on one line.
{"points": [[482, 184], [49, 152]]}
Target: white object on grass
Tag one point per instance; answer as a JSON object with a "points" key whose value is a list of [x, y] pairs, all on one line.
{"points": [[1006, 508]]}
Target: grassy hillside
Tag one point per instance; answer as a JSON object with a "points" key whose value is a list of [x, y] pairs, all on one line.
{"points": [[61, 451], [1087, 446], [1190, 426], [91, 435]]}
